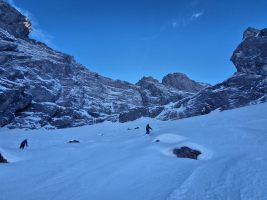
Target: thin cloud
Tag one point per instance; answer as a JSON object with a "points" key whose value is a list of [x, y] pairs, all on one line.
{"points": [[183, 21], [174, 24], [36, 33], [196, 15]]}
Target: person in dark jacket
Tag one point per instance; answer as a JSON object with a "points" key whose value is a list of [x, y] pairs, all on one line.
{"points": [[148, 128], [24, 144]]}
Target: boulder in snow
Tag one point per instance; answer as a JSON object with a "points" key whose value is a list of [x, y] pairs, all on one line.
{"points": [[186, 152], [74, 141], [2, 159]]}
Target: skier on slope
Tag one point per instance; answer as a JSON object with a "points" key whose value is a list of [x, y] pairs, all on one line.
{"points": [[148, 128]]}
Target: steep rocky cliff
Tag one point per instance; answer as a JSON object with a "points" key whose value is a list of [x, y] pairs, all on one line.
{"points": [[40, 87], [13, 21]]}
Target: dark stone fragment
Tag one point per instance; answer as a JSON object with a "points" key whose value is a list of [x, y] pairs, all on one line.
{"points": [[74, 141], [186, 152], [2, 159]]}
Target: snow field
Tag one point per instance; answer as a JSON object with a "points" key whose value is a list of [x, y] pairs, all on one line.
{"points": [[113, 163]]}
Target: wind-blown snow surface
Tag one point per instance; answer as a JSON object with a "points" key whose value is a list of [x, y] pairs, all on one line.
{"points": [[113, 163]]}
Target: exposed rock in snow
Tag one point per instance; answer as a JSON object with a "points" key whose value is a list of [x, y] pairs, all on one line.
{"points": [[13, 21], [186, 152], [2, 159], [74, 141]]}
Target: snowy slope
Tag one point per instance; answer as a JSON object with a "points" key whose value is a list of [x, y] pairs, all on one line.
{"points": [[113, 163]]}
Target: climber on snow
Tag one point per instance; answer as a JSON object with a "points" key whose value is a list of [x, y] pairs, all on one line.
{"points": [[148, 128], [23, 144]]}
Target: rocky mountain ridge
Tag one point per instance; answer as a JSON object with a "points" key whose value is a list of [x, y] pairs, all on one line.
{"points": [[246, 87], [40, 87]]}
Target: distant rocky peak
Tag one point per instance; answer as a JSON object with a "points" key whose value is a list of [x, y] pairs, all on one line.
{"points": [[181, 82], [147, 79], [250, 56], [253, 32], [250, 32], [12, 21], [263, 33]]}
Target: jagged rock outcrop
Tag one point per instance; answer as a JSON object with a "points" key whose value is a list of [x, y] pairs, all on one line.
{"points": [[138, 112], [13, 21], [181, 82], [155, 93], [13, 100], [251, 55], [247, 86], [186, 152], [2, 159], [41, 87]]}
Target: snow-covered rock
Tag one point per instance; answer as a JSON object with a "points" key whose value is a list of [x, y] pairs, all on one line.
{"points": [[13, 21], [2, 159]]}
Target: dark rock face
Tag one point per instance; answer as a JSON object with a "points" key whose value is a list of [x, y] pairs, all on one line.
{"points": [[13, 21], [41, 87], [7, 46], [12, 100], [74, 141], [138, 112], [155, 93], [251, 55], [186, 152], [239, 90], [2, 159], [134, 114], [250, 32], [180, 82]]}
